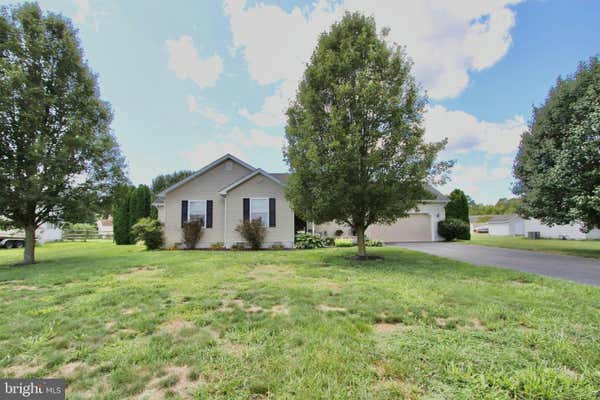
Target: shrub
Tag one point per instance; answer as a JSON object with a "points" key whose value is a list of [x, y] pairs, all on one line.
{"points": [[253, 232], [238, 246], [452, 229], [307, 240], [339, 232], [344, 242], [329, 242], [192, 232], [150, 232], [217, 246], [373, 243], [277, 246]]}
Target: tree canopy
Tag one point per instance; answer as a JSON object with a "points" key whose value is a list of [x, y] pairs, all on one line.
{"points": [[355, 132], [57, 152], [161, 182], [557, 168]]}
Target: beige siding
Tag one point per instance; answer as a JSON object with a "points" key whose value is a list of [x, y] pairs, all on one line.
{"points": [[203, 187], [414, 228], [260, 187], [421, 225]]}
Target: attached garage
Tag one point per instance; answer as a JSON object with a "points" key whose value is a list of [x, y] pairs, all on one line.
{"points": [[414, 228]]}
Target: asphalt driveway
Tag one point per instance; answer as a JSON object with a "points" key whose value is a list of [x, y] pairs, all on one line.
{"points": [[577, 269]]}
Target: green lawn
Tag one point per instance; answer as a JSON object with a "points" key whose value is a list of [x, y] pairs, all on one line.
{"points": [[120, 322], [582, 248]]}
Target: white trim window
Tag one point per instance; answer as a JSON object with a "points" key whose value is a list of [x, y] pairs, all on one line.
{"points": [[259, 208], [197, 211]]}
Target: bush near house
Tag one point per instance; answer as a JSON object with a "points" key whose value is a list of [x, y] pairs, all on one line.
{"points": [[192, 232], [452, 229], [150, 232], [344, 242], [253, 232], [307, 240], [374, 243]]}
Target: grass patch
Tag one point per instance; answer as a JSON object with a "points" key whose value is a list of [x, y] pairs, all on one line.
{"points": [[581, 248], [120, 322]]}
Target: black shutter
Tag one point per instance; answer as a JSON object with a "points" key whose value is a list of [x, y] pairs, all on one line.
{"points": [[246, 203], [271, 213], [184, 211], [209, 208]]}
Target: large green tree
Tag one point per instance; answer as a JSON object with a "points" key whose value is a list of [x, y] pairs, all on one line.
{"points": [[458, 206], [558, 163], [57, 153], [355, 132], [161, 182]]}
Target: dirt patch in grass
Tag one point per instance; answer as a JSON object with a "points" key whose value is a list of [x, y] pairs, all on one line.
{"points": [[477, 324], [326, 308], [386, 327], [365, 258], [230, 305], [19, 371], [172, 381], [176, 325], [279, 309], [70, 369], [23, 287], [131, 310]]}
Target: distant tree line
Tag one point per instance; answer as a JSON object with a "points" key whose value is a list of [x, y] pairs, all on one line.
{"points": [[502, 206]]}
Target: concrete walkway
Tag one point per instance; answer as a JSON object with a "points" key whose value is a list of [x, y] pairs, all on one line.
{"points": [[577, 269]]}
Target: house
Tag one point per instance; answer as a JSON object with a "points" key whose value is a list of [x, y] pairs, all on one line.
{"points": [[506, 225], [515, 225], [105, 227], [229, 190], [47, 232], [478, 223]]}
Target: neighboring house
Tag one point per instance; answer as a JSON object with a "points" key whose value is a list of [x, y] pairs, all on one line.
{"points": [[228, 191], [515, 225], [506, 225], [478, 223], [105, 227], [47, 232]]}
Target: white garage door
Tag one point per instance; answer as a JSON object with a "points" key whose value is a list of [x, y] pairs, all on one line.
{"points": [[414, 228]]}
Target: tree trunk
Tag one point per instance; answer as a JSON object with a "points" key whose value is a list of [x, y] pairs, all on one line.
{"points": [[29, 254], [362, 250]]}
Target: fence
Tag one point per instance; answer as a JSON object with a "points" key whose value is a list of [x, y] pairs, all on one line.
{"points": [[85, 235]]}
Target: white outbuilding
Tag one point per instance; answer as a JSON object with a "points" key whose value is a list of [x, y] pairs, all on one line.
{"points": [[515, 225]]}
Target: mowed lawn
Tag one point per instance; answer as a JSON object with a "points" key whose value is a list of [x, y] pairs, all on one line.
{"points": [[120, 322], [581, 248]]}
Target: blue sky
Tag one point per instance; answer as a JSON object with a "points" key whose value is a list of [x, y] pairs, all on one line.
{"points": [[191, 80]]}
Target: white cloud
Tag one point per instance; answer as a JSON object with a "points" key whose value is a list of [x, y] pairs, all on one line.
{"points": [[83, 10], [446, 40], [476, 181], [186, 63], [466, 133], [236, 142], [207, 112]]}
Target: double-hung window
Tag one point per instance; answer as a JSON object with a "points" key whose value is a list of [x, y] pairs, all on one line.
{"points": [[197, 211], [259, 209]]}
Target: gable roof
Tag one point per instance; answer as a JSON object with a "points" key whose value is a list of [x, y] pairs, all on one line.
{"points": [[251, 175], [502, 219], [437, 195], [203, 170]]}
